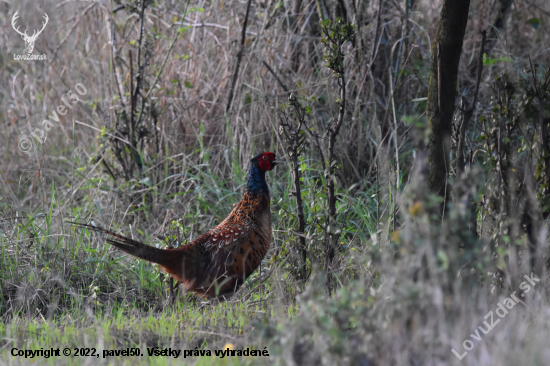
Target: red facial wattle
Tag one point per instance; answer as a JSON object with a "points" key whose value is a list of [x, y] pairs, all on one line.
{"points": [[265, 164], [265, 161]]}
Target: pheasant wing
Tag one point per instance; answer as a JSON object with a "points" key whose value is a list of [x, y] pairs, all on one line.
{"points": [[236, 251]]}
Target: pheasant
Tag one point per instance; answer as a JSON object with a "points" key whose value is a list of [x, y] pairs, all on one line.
{"points": [[218, 262]]}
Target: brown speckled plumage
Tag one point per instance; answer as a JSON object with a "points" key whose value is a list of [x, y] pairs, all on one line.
{"points": [[218, 262]]}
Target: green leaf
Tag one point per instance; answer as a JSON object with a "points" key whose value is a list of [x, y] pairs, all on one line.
{"points": [[247, 99], [146, 181], [490, 61], [538, 171], [422, 105], [535, 22], [443, 259], [308, 109], [183, 29], [188, 84]]}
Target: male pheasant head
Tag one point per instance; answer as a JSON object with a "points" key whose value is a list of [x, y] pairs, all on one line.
{"points": [[266, 161], [258, 166]]}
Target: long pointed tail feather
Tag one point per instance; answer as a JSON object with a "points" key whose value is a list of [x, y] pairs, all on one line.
{"points": [[130, 246]]}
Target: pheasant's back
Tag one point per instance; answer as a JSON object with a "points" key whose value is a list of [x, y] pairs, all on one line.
{"points": [[219, 261]]}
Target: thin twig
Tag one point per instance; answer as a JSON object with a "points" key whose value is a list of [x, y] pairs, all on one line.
{"points": [[163, 65], [295, 143], [468, 112], [132, 98], [239, 58], [71, 30], [275, 76], [98, 130]]}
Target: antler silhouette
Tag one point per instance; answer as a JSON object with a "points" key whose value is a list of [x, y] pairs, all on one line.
{"points": [[29, 40], [13, 19]]}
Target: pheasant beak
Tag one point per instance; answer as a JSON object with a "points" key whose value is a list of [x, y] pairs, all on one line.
{"points": [[278, 161]]}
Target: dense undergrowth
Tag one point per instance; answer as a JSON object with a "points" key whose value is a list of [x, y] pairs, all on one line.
{"points": [[166, 163]]}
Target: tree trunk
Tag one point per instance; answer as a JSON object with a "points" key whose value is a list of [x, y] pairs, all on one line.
{"points": [[446, 51]]}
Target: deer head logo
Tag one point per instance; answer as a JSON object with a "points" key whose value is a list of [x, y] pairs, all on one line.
{"points": [[29, 40]]}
